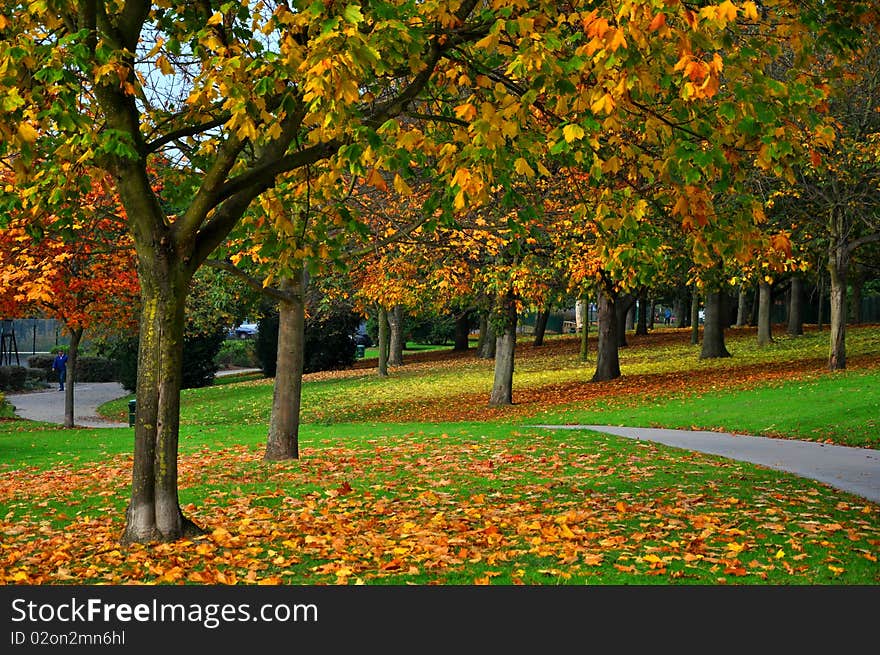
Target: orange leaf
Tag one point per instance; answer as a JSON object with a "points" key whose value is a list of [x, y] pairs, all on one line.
{"points": [[658, 22]]}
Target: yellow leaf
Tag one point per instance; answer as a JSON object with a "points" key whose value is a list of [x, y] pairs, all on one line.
{"points": [[617, 40], [401, 186], [572, 133], [522, 167], [215, 19], [605, 103], [780, 554], [27, 132], [727, 10], [164, 65]]}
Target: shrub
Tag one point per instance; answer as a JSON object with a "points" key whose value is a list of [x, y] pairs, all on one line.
{"points": [[328, 341], [13, 378], [237, 353], [36, 378], [88, 369], [42, 363], [435, 330], [6, 410], [199, 360]]}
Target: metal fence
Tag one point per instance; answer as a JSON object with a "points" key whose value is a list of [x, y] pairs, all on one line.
{"points": [[20, 338]]}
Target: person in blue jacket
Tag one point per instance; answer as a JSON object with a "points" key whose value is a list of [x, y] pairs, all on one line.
{"points": [[59, 365]]}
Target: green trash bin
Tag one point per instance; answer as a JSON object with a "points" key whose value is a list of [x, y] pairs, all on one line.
{"points": [[132, 410], [360, 351]]}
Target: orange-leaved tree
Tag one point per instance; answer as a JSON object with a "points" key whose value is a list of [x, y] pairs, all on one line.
{"points": [[82, 274]]}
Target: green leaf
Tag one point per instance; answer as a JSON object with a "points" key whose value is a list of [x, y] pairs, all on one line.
{"points": [[352, 14]]}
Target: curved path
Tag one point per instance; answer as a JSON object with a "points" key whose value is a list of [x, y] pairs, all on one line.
{"points": [[48, 406], [856, 470]]}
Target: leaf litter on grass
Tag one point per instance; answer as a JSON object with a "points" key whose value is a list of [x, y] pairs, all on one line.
{"points": [[468, 508]]}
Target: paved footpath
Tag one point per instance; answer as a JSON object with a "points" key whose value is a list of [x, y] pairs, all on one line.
{"points": [[856, 470], [48, 406]]}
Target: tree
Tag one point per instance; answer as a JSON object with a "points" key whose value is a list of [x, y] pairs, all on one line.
{"points": [[83, 275]]}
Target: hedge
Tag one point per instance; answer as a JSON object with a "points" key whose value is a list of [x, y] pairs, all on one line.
{"points": [[13, 378], [88, 369]]}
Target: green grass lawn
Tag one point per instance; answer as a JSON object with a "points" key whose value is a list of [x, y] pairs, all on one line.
{"points": [[384, 501]]}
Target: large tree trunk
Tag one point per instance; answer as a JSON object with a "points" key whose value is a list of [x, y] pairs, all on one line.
{"points": [[502, 387], [630, 325], [856, 282], [384, 342], [585, 329], [795, 307], [462, 332], [153, 512], [741, 306], [486, 347], [713, 327], [642, 323], [541, 326], [395, 336], [607, 358], [838, 268], [765, 334], [678, 308], [695, 317], [820, 310], [70, 378], [282, 441], [623, 304]]}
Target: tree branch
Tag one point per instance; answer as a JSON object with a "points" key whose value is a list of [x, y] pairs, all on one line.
{"points": [[251, 281]]}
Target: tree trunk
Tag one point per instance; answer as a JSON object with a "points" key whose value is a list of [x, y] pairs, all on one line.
{"points": [[695, 317], [384, 342], [856, 281], [678, 308], [741, 306], [541, 326], [395, 336], [462, 332], [820, 310], [70, 377], [713, 327], [502, 387], [642, 324], [282, 441], [486, 350], [623, 305], [765, 333], [838, 268], [753, 314], [651, 315], [795, 307], [585, 329], [607, 358], [153, 512]]}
